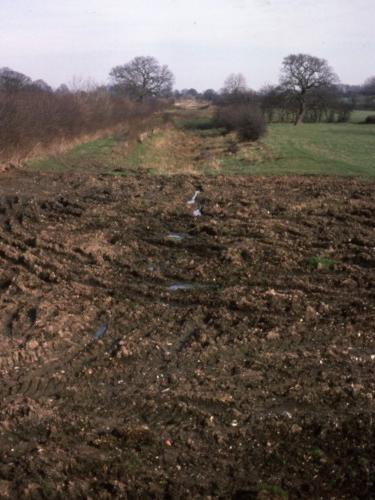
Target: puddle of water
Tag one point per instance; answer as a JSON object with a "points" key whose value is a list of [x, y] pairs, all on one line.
{"points": [[192, 201], [178, 236], [100, 331], [197, 213], [183, 285]]}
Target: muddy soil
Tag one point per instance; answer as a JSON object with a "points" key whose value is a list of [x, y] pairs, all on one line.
{"points": [[234, 361]]}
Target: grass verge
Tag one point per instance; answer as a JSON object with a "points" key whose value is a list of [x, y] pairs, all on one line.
{"points": [[84, 156], [191, 144]]}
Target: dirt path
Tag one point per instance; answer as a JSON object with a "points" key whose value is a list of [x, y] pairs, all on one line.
{"points": [[232, 360]]}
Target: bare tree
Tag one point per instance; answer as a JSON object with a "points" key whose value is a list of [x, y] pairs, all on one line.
{"points": [[271, 102], [62, 89], [12, 81], [40, 86], [234, 84], [210, 95], [301, 74], [369, 86], [143, 77], [189, 93]]}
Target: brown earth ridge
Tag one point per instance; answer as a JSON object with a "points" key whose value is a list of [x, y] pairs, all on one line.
{"points": [[234, 359]]}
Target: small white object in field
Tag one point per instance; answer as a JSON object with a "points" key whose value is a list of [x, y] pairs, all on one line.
{"points": [[197, 213], [192, 201]]}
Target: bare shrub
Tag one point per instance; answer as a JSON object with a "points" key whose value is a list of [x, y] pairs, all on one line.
{"points": [[370, 120], [245, 119], [32, 118]]}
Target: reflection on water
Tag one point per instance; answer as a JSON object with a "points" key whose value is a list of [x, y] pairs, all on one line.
{"points": [[192, 201], [184, 285], [178, 236]]}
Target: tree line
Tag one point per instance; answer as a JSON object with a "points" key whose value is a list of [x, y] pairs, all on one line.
{"points": [[34, 117], [308, 91], [31, 112]]}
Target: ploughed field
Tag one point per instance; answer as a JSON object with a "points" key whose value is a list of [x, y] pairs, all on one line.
{"points": [[148, 353]]}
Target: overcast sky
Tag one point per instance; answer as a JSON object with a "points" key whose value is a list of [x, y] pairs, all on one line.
{"points": [[202, 41]]}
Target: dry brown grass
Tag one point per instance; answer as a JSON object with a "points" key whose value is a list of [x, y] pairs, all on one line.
{"points": [[177, 150], [35, 124], [172, 151]]}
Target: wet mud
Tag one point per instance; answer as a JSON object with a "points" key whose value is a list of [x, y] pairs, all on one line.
{"points": [[255, 380]]}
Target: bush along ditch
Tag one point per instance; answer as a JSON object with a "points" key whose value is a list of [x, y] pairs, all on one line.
{"points": [[246, 119]]}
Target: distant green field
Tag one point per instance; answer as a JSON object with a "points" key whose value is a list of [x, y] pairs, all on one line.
{"points": [[323, 148], [359, 116]]}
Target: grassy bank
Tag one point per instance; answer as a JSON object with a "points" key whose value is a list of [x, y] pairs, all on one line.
{"points": [[188, 144], [83, 156], [325, 149]]}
